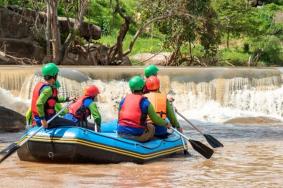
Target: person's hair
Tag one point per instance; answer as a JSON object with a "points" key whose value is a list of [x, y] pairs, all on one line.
{"points": [[48, 77]]}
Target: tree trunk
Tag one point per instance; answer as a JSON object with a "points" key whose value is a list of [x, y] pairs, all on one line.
{"points": [[116, 52], [47, 32], [78, 22], [228, 39], [55, 33]]}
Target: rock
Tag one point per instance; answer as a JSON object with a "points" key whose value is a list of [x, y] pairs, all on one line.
{"points": [[253, 121], [87, 31], [23, 48], [10, 120], [149, 58]]}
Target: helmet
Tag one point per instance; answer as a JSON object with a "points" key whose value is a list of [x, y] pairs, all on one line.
{"points": [[50, 69], [152, 83], [150, 70], [57, 84], [136, 83], [91, 91]]}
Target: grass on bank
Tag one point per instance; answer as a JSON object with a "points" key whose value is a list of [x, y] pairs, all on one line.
{"points": [[142, 45]]}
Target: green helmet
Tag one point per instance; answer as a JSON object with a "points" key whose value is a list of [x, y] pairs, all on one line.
{"points": [[150, 70], [57, 84], [50, 69], [136, 83]]}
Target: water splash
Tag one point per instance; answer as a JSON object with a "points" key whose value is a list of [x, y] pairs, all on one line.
{"points": [[8, 100]]}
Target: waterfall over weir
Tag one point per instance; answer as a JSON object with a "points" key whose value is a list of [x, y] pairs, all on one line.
{"points": [[211, 94]]}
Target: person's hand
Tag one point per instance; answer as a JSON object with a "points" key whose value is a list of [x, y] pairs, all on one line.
{"points": [[168, 125], [44, 123], [171, 99], [180, 129], [71, 99]]}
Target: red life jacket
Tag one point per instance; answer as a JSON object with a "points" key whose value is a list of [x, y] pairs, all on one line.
{"points": [[130, 114], [49, 106], [78, 110]]}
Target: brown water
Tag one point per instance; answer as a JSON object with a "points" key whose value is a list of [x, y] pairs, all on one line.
{"points": [[252, 157]]}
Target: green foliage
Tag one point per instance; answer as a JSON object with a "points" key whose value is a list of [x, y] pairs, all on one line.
{"points": [[234, 57], [211, 22], [143, 45], [269, 49]]}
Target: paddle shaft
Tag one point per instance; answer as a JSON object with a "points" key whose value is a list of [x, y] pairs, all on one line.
{"points": [[210, 139], [181, 134], [192, 125], [185, 145], [57, 114]]}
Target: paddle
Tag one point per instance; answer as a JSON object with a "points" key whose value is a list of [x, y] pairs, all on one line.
{"points": [[5, 153], [210, 139], [197, 145]]}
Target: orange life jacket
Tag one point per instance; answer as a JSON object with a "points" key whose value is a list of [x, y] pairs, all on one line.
{"points": [[78, 110], [49, 106], [130, 114], [158, 101]]}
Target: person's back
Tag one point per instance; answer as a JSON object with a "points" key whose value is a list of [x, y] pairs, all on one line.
{"points": [[85, 106], [161, 105], [133, 112]]}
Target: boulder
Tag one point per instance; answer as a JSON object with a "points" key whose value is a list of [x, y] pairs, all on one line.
{"points": [[253, 121], [10, 120], [149, 58]]}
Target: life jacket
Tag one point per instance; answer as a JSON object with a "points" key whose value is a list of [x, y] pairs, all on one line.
{"points": [[78, 110], [130, 114], [49, 106], [158, 101]]}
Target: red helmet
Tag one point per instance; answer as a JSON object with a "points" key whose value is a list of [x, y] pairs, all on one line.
{"points": [[152, 83], [91, 91]]}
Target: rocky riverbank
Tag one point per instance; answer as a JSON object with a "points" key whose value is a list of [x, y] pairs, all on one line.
{"points": [[10, 120]]}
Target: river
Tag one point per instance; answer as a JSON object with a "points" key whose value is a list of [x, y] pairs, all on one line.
{"points": [[252, 155]]}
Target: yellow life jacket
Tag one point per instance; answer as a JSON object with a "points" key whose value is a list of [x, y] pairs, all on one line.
{"points": [[158, 100]]}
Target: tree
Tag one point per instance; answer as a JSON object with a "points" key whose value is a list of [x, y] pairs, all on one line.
{"points": [[193, 21]]}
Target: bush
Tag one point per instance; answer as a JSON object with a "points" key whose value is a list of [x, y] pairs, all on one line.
{"points": [[234, 57], [270, 50]]}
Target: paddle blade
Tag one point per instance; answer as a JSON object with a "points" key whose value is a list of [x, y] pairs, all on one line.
{"points": [[8, 151], [213, 141], [201, 148]]}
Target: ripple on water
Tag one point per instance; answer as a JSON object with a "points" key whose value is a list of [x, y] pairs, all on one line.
{"points": [[245, 161]]}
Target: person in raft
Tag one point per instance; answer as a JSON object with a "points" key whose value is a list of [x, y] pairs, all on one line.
{"points": [[45, 97], [133, 112], [149, 71], [161, 105], [84, 107], [58, 107]]}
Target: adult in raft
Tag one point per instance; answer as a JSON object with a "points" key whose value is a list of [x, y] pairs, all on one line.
{"points": [[58, 107], [84, 107], [45, 97], [133, 112], [161, 105]]}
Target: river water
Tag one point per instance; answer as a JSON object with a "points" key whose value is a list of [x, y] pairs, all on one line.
{"points": [[252, 155]]}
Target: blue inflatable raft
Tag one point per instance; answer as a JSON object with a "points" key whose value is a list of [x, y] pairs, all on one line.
{"points": [[79, 145]]}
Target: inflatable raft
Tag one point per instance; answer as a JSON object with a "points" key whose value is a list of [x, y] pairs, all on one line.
{"points": [[79, 145]]}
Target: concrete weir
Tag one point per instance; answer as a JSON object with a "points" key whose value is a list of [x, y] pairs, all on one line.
{"points": [[245, 89]]}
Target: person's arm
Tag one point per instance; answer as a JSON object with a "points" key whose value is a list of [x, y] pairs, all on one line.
{"points": [[155, 118], [42, 99], [58, 107], [95, 113], [29, 116], [62, 99], [171, 115]]}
